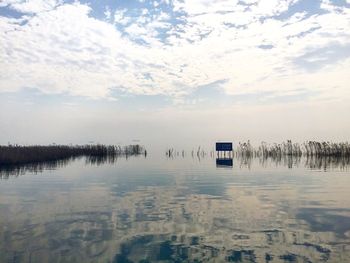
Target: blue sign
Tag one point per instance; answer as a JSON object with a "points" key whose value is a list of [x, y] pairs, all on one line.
{"points": [[223, 146], [224, 162]]}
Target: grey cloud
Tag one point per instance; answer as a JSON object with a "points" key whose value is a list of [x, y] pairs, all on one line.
{"points": [[266, 46]]}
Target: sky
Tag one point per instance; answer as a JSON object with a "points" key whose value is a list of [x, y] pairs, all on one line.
{"points": [[174, 72]]}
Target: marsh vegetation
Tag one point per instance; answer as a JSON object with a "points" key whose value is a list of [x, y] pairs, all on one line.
{"points": [[310, 154], [288, 148], [17, 154], [18, 159]]}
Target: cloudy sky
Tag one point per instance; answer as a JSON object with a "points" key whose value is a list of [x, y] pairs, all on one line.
{"points": [[115, 71]]}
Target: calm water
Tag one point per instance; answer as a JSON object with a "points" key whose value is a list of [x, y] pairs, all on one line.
{"points": [[156, 209]]}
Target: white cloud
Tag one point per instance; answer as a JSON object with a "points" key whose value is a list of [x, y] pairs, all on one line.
{"points": [[31, 6], [108, 13], [120, 18], [65, 50]]}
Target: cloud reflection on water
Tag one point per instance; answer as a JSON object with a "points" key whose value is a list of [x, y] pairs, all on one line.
{"points": [[177, 210]]}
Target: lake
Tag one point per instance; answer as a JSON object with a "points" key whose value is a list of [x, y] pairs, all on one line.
{"points": [[181, 209]]}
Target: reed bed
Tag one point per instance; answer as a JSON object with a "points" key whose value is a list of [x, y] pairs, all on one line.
{"points": [[275, 150], [310, 154], [309, 148], [17, 154]]}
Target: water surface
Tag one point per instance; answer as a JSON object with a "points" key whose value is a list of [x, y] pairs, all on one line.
{"points": [[159, 209]]}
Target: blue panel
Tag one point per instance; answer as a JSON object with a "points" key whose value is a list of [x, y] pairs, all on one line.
{"points": [[224, 146], [228, 162]]}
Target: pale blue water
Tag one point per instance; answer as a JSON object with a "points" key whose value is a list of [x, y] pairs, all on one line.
{"points": [[156, 209]]}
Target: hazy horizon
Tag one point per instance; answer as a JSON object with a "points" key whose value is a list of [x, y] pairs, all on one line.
{"points": [[174, 72]]}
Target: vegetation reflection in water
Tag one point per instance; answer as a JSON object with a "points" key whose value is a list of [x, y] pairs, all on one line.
{"points": [[178, 210]]}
